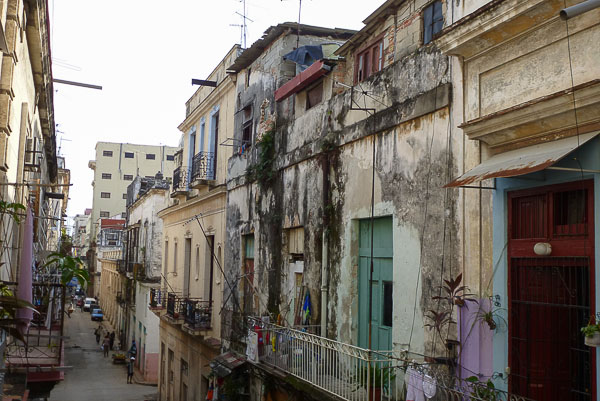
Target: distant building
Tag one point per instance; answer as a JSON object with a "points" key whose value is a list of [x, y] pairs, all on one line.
{"points": [[115, 167]]}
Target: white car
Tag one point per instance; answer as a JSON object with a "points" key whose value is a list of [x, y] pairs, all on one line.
{"points": [[88, 303]]}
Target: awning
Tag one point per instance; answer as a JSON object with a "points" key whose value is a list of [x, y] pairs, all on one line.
{"points": [[522, 161], [302, 80], [225, 363]]}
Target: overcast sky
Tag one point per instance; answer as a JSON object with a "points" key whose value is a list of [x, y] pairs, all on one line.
{"points": [[144, 55]]}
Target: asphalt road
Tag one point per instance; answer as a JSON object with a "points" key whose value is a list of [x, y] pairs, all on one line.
{"points": [[93, 377]]}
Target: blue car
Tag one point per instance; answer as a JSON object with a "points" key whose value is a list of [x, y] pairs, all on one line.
{"points": [[97, 314]]}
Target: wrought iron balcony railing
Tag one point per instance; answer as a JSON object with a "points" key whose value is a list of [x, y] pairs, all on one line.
{"points": [[180, 179], [174, 306], [352, 373], [197, 314], [203, 166], [157, 299]]}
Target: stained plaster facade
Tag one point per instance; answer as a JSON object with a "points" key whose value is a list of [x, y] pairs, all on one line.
{"points": [[26, 113], [323, 175], [515, 60], [190, 277]]}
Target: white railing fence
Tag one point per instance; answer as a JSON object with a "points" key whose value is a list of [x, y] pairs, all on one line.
{"points": [[357, 374]]}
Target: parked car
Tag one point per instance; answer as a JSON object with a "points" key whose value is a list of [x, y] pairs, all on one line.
{"points": [[87, 304], [97, 314]]}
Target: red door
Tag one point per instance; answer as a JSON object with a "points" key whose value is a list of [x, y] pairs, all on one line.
{"points": [[551, 297]]}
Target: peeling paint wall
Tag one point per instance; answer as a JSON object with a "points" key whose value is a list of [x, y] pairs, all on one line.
{"points": [[323, 183]]}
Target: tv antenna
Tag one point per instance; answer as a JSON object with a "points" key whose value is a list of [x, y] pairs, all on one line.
{"points": [[243, 26]]}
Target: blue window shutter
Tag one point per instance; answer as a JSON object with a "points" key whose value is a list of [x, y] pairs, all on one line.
{"points": [[427, 24], [438, 17]]}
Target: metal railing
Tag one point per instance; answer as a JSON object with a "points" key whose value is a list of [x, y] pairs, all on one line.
{"points": [[197, 314], [179, 179], [203, 166], [44, 335], [352, 373], [174, 305], [157, 298]]}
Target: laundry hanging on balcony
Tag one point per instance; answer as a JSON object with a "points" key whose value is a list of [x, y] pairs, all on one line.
{"points": [[24, 287], [306, 309]]}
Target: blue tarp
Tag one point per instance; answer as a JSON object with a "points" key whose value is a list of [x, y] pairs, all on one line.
{"points": [[305, 56]]}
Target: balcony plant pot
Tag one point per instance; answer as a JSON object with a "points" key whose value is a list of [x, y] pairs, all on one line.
{"points": [[593, 340]]}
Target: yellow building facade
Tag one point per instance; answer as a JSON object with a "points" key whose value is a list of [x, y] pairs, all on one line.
{"points": [[193, 241]]}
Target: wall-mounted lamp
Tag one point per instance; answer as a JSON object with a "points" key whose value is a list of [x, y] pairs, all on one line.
{"points": [[542, 249]]}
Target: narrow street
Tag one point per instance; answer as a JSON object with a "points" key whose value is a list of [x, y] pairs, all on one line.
{"points": [[93, 377]]}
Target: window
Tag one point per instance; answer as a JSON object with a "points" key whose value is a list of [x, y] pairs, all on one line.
{"points": [[197, 262], [124, 196], [170, 367], [107, 153], [175, 257], [247, 126], [314, 96], [129, 155], [104, 214], [166, 266], [123, 215], [105, 195], [128, 177], [433, 21], [106, 176], [150, 156], [388, 303], [369, 61], [248, 72], [170, 157]]}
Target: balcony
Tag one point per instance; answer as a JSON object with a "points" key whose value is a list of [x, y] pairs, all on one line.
{"points": [[180, 181], [158, 301], [174, 313], [203, 169], [351, 373], [197, 316]]}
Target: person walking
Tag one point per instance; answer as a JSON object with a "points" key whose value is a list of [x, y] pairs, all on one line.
{"points": [[133, 350], [130, 370], [112, 340], [98, 333], [106, 345]]}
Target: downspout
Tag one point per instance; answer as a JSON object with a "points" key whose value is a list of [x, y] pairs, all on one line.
{"points": [[324, 245], [578, 9], [324, 285]]}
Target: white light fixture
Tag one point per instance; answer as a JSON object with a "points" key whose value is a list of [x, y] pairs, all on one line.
{"points": [[542, 249]]}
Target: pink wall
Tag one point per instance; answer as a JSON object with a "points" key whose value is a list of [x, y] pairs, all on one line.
{"points": [[151, 372]]}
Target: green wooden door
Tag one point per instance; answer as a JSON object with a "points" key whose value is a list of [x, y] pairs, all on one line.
{"points": [[381, 284]]}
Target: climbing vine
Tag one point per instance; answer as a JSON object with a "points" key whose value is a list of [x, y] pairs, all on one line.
{"points": [[263, 170]]}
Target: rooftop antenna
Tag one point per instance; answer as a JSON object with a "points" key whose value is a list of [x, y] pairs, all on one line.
{"points": [[298, 25], [243, 26]]}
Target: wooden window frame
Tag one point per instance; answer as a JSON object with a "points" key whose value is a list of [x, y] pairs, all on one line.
{"points": [[364, 59]]}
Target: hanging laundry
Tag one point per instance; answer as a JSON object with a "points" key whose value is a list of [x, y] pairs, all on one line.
{"points": [[306, 309], [414, 391]]}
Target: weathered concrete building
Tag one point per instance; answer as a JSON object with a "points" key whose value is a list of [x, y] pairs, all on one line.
{"points": [[338, 221], [527, 83], [110, 236], [193, 239], [141, 272]]}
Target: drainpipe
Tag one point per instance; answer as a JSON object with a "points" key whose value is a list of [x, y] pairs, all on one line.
{"points": [[578, 9], [325, 243], [324, 285]]}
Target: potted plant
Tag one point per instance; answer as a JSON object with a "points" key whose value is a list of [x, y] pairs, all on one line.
{"points": [[591, 333], [374, 378]]}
